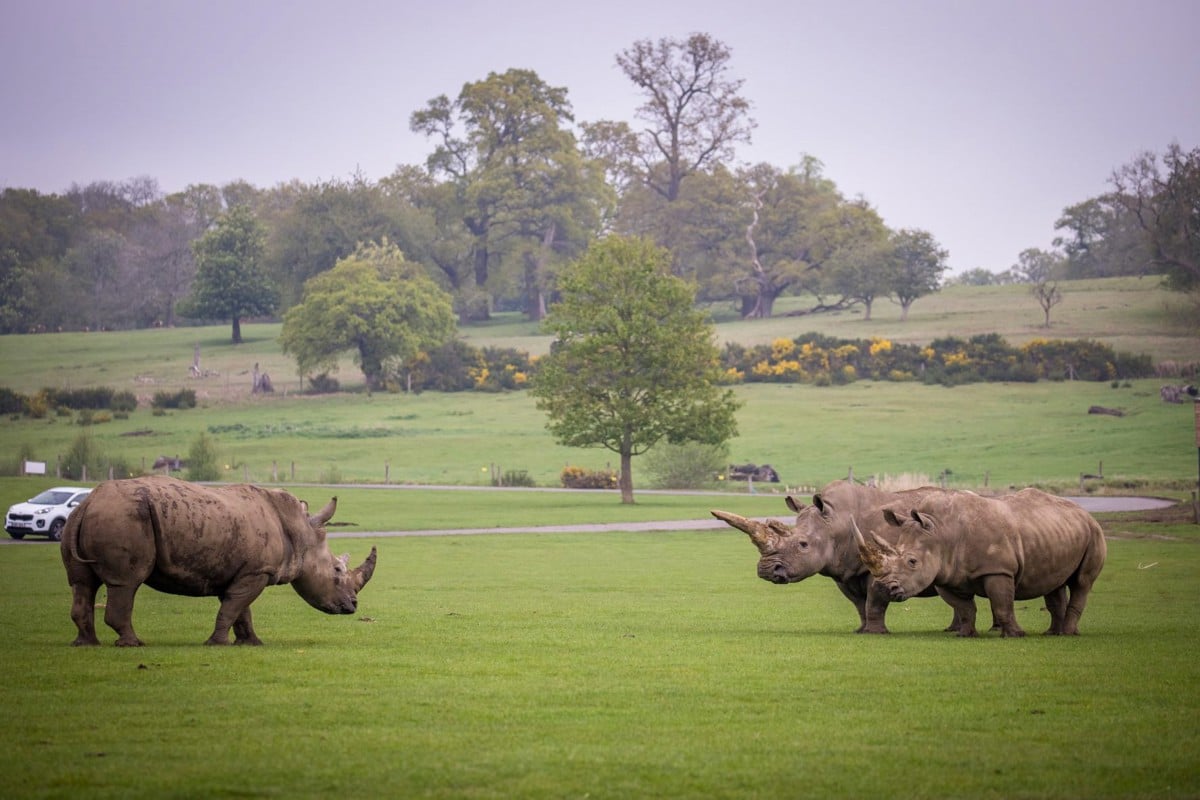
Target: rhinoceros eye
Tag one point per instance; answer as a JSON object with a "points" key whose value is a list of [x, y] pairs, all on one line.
{"points": [[912, 562]]}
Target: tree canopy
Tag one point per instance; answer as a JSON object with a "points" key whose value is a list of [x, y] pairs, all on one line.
{"points": [[633, 362], [230, 283], [374, 304]]}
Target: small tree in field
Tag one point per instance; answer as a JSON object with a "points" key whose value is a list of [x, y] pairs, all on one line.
{"points": [[633, 362]]}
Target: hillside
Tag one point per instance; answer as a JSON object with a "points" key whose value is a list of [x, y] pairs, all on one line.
{"points": [[1129, 314]]}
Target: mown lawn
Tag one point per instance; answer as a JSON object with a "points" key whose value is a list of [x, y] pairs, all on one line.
{"points": [[603, 665]]}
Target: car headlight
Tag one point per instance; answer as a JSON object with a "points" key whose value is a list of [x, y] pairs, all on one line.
{"points": [[44, 510]]}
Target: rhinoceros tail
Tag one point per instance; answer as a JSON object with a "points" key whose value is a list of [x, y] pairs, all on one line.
{"points": [[70, 534]]}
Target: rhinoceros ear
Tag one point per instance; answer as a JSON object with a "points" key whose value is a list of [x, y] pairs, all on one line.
{"points": [[892, 517], [823, 505], [923, 520], [793, 503], [324, 515]]}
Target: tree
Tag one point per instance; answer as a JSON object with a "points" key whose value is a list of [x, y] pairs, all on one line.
{"points": [[1165, 201], [918, 263], [519, 182], [1038, 267], [374, 303], [633, 362], [230, 283], [694, 112]]}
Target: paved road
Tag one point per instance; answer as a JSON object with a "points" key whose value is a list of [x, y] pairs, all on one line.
{"points": [[1091, 504]]}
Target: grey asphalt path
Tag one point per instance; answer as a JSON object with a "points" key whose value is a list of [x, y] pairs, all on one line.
{"points": [[1090, 504]]}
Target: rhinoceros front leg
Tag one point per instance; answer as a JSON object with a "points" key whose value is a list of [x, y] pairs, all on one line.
{"points": [[118, 614], [876, 607], [1001, 591], [235, 608], [855, 594], [83, 611], [963, 623]]}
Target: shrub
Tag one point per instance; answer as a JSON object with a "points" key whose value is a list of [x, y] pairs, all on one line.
{"points": [[582, 478], [184, 398], [11, 402], [82, 458], [323, 384], [202, 461], [124, 402], [690, 465], [515, 477]]}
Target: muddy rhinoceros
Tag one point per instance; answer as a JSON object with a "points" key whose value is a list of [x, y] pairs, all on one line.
{"points": [[821, 542], [1016, 547], [230, 542]]}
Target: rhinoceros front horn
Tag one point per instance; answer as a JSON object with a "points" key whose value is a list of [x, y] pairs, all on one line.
{"points": [[871, 552], [759, 533], [364, 571]]}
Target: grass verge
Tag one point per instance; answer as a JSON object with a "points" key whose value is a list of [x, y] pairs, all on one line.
{"points": [[614, 665]]}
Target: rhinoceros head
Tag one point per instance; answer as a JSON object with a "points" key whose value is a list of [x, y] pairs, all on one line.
{"points": [[906, 568], [326, 582], [788, 555]]}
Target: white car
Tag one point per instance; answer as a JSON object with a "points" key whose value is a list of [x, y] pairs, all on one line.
{"points": [[44, 515]]}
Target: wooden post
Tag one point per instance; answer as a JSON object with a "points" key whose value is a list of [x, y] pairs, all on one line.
{"points": [[274, 471], [387, 469]]}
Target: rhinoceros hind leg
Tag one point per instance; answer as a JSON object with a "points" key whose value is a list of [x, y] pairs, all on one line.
{"points": [[83, 612], [243, 630], [1056, 604], [118, 614]]}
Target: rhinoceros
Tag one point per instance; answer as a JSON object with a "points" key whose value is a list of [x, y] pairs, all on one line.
{"points": [[230, 542], [821, 542], [1028, 544]]}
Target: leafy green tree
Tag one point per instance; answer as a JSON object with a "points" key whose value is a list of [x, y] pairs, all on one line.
{"points": [[520, 186], [633, 362], [918, 263], [374, 303], [230, 283]]}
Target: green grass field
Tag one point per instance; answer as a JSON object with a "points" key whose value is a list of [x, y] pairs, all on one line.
{"points": [[602, 665], [616, 664]]}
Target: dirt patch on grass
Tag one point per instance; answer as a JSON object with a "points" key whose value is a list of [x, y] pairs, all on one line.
{"points": [[1118, 524]]}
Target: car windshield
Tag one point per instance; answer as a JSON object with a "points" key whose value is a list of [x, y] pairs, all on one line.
{"points": [[52, 497]]}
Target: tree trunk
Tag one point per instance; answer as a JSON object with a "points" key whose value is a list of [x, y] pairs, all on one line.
{"points": [[625, 481], [237, 329], [867, 309]]}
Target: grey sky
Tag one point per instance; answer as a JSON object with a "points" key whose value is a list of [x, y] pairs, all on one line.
{"points": [[976, 121]]}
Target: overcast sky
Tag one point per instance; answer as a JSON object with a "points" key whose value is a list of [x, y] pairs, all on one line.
{"points": [[977, 121]]}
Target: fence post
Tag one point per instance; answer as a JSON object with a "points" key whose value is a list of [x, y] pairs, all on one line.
{"points": [[387, 471]]}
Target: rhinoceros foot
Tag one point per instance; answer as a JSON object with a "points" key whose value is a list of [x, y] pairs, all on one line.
{"points": [[129, 642], [81, 641]]}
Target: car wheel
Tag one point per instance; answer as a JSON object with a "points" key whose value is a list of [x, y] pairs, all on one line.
{"points": [[17, 536], [56, 529]]}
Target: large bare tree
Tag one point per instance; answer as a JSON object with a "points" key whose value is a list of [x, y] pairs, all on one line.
{"points": [[694, 110]]}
